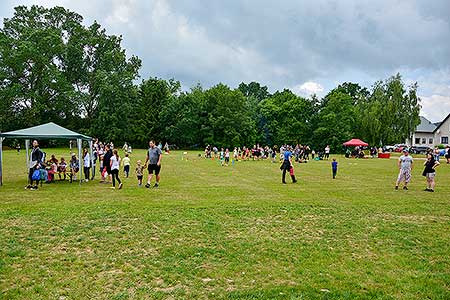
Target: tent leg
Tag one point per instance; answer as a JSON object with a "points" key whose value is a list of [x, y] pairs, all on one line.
{"points": [[92, 159], [1, 161], [80, 165], [27, 150]]}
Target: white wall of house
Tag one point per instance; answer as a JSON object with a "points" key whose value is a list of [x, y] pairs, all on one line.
{"points": [[442, 135], [422, 139]]}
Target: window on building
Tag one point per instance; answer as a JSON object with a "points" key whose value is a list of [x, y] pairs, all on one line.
{"points": [[430, 141], [444, 139], [417, 141], [424, 140]]}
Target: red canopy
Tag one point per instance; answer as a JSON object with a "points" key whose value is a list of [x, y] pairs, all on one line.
{"points": [[355, 142]]}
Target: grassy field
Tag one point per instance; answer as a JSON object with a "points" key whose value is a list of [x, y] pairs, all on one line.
{"points": [[212, 232]]}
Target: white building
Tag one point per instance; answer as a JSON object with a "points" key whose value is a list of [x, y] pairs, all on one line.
{"points": [[431, 134]]}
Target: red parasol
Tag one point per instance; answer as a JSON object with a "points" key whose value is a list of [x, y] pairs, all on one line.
{"points": [[355, 142]]}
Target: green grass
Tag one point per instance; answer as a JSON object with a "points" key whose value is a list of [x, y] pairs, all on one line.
{"points": [[212, 232]]}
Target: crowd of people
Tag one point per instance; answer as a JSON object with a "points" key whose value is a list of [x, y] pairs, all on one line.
{"points": [[104, 155], [109, 162], [301, 153], [42, 169]]}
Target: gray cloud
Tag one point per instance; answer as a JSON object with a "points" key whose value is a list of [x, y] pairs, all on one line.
{"points": [[282, 44]]}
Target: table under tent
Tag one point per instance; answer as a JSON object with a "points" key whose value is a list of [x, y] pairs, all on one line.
{"points": [[48, 131]]}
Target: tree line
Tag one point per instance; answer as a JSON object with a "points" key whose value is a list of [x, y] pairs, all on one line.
{"points": [[54, 68]]}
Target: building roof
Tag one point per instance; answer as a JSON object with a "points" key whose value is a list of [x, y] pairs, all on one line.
{"points": [[45, 131], [437, 127], [425, 125]]}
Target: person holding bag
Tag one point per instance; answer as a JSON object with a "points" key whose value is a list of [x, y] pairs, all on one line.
{"points": [[287, 165], [36, 160]]}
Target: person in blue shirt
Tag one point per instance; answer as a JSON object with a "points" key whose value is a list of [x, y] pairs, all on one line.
{"points": [[334, 166], [287, 165]]}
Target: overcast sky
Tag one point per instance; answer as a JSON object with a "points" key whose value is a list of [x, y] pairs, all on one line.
{"points": [[307, 46]]}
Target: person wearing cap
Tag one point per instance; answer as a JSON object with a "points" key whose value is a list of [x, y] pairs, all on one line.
{"points": [[405, 164]]}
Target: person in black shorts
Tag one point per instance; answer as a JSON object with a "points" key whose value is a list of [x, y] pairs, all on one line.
{"points": [[154, 155]]}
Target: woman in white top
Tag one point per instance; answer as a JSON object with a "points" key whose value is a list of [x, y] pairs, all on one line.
{"points": [[86, 164], [115, 166]]}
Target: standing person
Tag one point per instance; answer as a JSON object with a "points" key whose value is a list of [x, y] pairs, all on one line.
{"points": [[166, 148], [74, 167], [18, 148], [430, 172], [327, 152], [139, 172], [36, 159], [107, 160], [286, 165], [86, 164], [154, 156], [405, 165], [334, 166], [235, 154], [227, 157], [115, 166], [126, 165], [437, 154]]}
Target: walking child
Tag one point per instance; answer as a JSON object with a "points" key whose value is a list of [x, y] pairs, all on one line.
{"points": [[126, 165], [139, 172], [334, 167]]}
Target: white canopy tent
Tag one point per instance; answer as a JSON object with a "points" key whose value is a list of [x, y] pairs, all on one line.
{"points": [[45, 131]]}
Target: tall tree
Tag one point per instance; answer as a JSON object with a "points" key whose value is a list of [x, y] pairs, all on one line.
{"points": [[288, 117], [182, 118], [33, 86], [53, 68], [391, 113], [335, 120], [154, 95], [228, 121]]}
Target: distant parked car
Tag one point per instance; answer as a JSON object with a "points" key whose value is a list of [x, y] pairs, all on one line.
{"points": [[419, 149], [388, 148], [400, 147]]}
